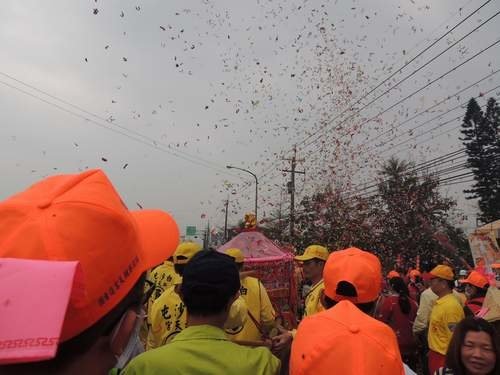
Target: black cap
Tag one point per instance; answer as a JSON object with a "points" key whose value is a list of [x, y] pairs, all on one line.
{"points": [[210, 276]]}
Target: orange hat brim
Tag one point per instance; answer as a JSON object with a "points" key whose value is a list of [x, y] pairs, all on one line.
{"points": [[159, 236]]}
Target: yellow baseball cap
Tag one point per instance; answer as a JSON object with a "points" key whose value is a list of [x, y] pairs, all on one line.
{"points": [[185, 251], [443, 272], [237, 254], [313, 252]]}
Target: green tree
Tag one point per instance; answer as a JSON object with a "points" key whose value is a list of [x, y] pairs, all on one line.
{"points": [[406, 218], [481, 140]]}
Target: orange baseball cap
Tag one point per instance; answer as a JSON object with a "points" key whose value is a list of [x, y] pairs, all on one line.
{"points": [[476, 279], [495, 266], [414, 273], [357, 267], [81, 217], [443, 272], [392, 274], [344, 340]]}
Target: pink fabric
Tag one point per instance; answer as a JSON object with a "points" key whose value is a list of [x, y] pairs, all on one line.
{"points": [[274, 268], [255, 247], [34, 296]]}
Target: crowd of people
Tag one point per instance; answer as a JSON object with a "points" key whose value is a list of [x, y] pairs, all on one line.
{"points": [[126, 298]]}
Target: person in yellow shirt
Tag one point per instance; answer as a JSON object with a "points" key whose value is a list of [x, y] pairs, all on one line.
{"points": [[210, 285], [313, 261], [261, 314], [161, 278], [158, 280], [167, 315], [445, 315]]}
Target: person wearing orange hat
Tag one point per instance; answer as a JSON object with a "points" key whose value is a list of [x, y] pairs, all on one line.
{"points": [[260, 309], [345, 339], [445, 315], [313, 261], [392, 274], [476, 287], [72, 268], [415, 284]]}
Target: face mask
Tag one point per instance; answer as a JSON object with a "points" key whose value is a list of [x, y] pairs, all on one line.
{"points": [[134, 346]]}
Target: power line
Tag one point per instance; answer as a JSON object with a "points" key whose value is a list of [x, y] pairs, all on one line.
{"points": [[398, 70], [428, 62], [418, 167], [267, 170], [436, 117], [432, 137], [430, 130], [422, 88], [407, 97], [124, 132]]}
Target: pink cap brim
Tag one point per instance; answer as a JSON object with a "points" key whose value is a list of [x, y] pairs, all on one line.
{"points": [[34, 296]]}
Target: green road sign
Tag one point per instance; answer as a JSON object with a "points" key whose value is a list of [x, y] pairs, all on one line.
{"points": [[190, 231]]}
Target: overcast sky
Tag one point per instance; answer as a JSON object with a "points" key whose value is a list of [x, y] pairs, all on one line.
{"points": [[163, 95]]}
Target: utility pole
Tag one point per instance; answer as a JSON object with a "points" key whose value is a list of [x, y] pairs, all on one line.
{"points": [[291, 188], [225, 220]]}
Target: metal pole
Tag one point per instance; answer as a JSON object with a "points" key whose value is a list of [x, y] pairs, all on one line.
{"points": [[292, 197], [256, 198], [256, 185], [225, 221]]}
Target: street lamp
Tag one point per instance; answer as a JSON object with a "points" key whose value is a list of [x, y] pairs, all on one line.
{"points": [[256, 185]]}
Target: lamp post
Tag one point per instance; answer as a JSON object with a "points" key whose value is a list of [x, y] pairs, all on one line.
{"points": [[256, 185]]}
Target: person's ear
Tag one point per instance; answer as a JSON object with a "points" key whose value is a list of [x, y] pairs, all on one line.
{"points": [[122, 332]]}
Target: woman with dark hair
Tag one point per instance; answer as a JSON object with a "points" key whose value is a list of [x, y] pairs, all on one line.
{"points": [[474, 349], [398, 311], [476, 287]]}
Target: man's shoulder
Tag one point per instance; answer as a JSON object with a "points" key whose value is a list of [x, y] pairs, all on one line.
{"points": [[160, 357], [167, 297], [251, 280], [172, 355]]}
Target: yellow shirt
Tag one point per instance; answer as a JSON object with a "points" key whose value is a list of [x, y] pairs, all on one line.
{"points": [[445, 314], [259, 306], [313, 299], [204, 350], [166, 319], [427, 300], [163, 277]]}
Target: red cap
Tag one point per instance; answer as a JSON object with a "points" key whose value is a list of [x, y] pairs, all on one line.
{"points": [[476, 279], [357, 267], [82, 218], [344, 340]]}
